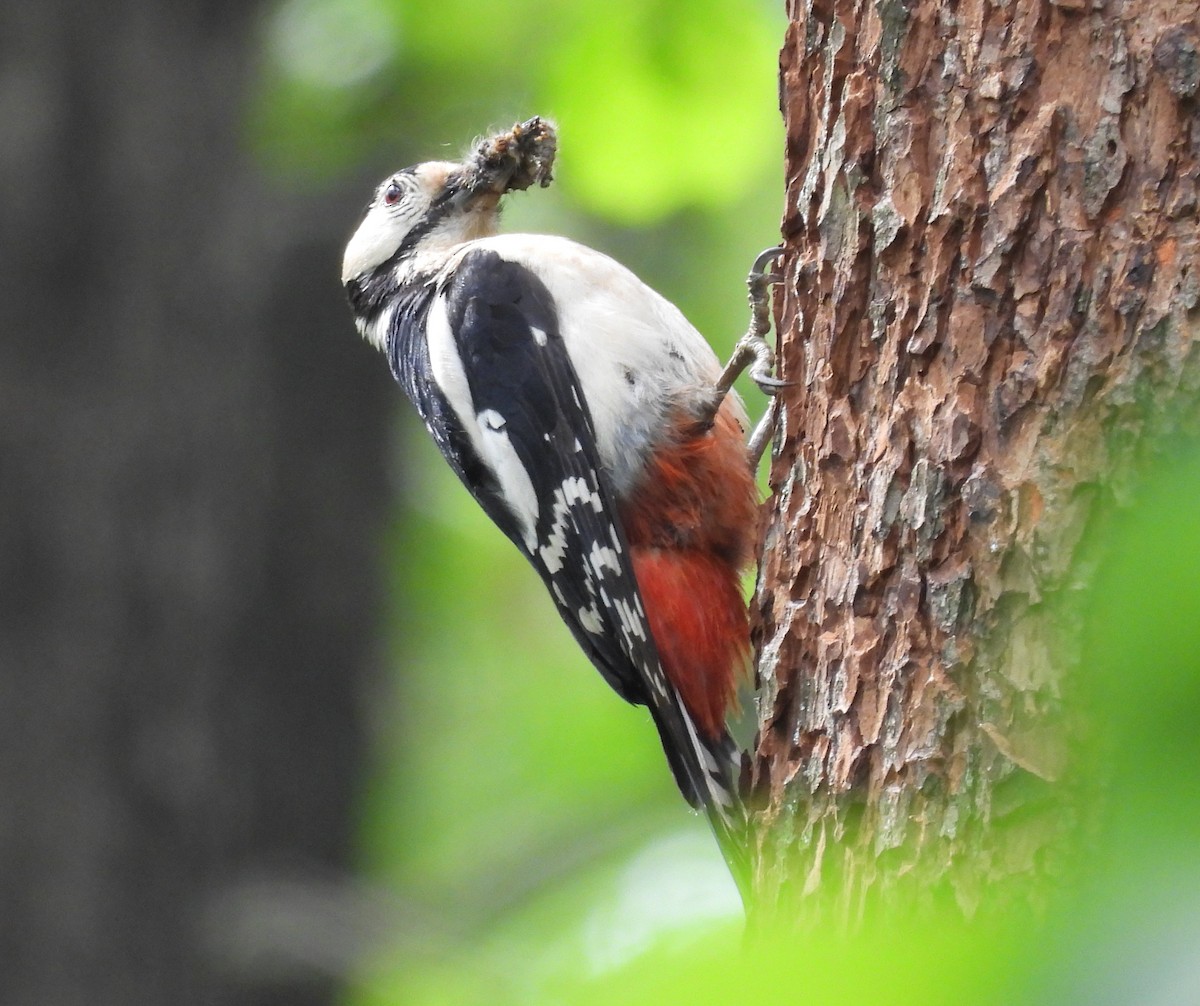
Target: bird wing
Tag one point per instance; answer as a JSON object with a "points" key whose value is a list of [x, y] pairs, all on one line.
{"points": [[483, 348]]}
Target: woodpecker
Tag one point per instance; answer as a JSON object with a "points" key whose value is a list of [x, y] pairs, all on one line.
{"points": [[593, 424]]}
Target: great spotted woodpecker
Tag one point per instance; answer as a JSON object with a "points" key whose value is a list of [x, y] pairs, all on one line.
{"points": [[593, 424]]}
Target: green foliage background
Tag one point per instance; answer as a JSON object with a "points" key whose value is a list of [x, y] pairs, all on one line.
{"points": [[520, 817], [519, 813]]}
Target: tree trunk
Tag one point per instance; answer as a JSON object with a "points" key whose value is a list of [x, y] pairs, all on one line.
{"points": [[188, 553], [989, 308]]}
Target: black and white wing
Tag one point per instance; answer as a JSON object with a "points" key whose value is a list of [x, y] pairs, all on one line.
{"points": [[483, 359]]}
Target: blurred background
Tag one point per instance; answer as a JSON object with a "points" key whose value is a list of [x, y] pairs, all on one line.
{"points": [[283, 719]]}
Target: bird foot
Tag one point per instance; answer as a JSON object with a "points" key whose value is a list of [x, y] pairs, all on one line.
{"points": [[753, 354]]}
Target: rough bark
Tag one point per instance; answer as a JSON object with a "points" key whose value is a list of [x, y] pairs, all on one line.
{"points": [[989, 307], [187, 548]]}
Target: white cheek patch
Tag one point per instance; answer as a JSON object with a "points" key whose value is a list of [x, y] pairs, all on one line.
{"points": [[377, 239]]}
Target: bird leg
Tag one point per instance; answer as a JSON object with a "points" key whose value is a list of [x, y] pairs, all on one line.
{"points": [[753, 352]]}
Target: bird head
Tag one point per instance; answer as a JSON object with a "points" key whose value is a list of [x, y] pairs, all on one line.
{"points": [[435, 206]]}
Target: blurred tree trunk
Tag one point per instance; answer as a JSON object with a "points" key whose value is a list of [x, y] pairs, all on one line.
{"points": [[989, 306], [188, 565]]}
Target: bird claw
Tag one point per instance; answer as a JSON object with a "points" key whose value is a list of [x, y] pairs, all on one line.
{"points": [[753, 345], [768, 384], [762, 434], [758, 271], [753, 353]]}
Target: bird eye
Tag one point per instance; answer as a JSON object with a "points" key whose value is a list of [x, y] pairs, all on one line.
{"points": [[392, 194]]}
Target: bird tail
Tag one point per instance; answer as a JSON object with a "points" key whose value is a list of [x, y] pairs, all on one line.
{"points": [[708, 773]]}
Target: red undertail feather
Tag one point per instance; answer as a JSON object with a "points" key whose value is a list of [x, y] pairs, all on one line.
{"points": [[699, 624], [691, 524]]}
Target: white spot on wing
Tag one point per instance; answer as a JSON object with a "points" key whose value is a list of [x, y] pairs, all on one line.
{"points": [[630, 622], [573, 491], [539, 336], [603, 558], [589, 618]]}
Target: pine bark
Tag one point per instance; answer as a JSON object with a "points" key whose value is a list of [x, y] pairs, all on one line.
{"points": [[988, 312]]}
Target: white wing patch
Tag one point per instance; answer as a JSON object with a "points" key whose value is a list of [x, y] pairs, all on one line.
{"points": [[602, 560], [634, 352], [486, 430], [446, 366], [497, 450]]}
